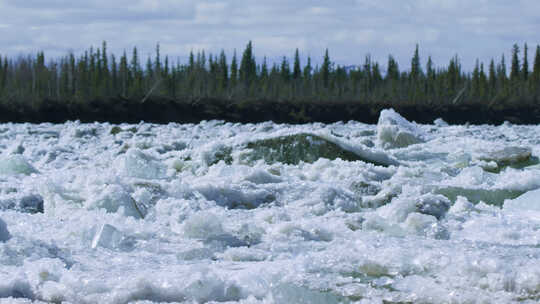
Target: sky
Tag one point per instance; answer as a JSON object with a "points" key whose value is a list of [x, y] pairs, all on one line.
{"points": [[350, 29]]}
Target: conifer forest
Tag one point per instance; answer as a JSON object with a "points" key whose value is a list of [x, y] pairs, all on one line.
{"points": [[67, 87]]}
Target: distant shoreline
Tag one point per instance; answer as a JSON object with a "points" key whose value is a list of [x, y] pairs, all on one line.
{"points": [[99, 86], [162, 111]]}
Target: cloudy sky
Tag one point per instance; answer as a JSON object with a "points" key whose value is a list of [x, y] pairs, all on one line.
{"points": [[349, 28]]}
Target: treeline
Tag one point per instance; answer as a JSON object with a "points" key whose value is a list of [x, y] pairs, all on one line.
{"points": [[98, 75]]}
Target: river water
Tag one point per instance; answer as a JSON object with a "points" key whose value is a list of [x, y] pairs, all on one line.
{"points": [[270, 213]]}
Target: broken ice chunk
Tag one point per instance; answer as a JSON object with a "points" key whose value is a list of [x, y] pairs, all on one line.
{"points": [[516, 157], [530, 201], [107, 236], [427, 225], [432, 204], [394, 131], [31, 204], [114, 198], [137, 164], [16, 164], [4, 233], [203, 225]]}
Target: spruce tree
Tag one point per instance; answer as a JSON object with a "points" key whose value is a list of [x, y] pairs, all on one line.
{"points": [[114, 74], [502, 69], [124, 74], [453, 72], [72, 73], [234, 70], [264, 69], [492, 78], [93, 74], [325, 69], [202, 60], [502, 77], [429, 68], [376, 74], [392, 76], [157, 62], [212, 73], [525, 69], [297, 72], [263, 79], [41, 77], [149, 69], [134, 70], [430, 76], [416, 68], [99, 67], [536, 67], [105, 73], [2, 76], [84, 73], [134, 67], [392, 71], [224, 71], [274, 78], [6, 66], [248, 66], [285, 69], [476, 80], [536, 70], [202, 80], [191, 66], [166, 66], [104, 59], [415, 89], [64, 78], [367, 74], [136, 74], [515, 70], [98, 77], [307, 69]]}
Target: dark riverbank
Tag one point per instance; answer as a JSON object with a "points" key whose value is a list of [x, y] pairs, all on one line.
{"points": [[118, 110]]}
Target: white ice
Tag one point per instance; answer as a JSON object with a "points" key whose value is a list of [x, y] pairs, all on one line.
{"points": [[4, 232], [394, 131], [174, 213]]}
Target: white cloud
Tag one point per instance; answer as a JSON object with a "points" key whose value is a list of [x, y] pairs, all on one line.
{"points": [[318, 10], [349, 28], [211, 13]]}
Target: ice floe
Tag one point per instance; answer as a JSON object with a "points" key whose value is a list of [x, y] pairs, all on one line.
{"points": [[394, 131], [397, 212]]}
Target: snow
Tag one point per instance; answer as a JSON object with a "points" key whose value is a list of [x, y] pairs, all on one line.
{"points": [[269, 213]]}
